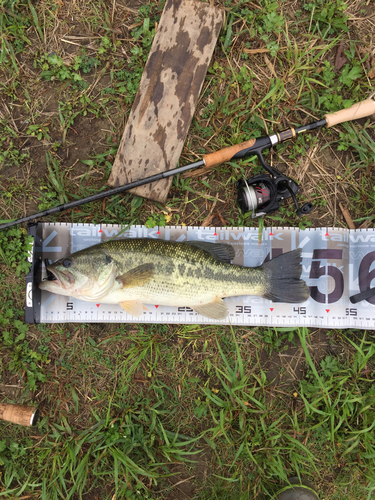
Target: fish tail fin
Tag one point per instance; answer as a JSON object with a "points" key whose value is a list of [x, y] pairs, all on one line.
{"points": [[283, 278]]}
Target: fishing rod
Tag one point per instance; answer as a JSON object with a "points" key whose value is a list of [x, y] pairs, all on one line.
{"points": [[262, 192]]}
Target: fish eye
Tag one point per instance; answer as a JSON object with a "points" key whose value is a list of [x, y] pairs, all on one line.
{"points": [[67, 262]]}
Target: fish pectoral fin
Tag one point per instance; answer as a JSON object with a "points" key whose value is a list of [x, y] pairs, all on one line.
{"points": [[215, 310], [137, 277], [133, 307]]}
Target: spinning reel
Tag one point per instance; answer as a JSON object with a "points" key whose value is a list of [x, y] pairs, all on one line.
{"points": [[263, 193]]}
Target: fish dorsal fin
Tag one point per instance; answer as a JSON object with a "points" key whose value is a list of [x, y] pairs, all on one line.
{"points": [[215, 310], [221, 251], [137, 277], [133, 307]]}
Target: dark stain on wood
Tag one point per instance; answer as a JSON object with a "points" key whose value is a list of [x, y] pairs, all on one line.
{"points": [[204, 38]]}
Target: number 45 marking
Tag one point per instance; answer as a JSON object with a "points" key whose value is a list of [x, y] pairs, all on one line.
{"points": [[299, 310], [317, 271]]}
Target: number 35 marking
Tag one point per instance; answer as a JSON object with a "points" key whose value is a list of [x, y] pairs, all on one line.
{"points": [[243, 309]]}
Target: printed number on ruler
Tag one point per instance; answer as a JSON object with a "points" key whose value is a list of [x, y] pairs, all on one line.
{"points": [[243, 309], [365, 276], [351, 311], [317, 271], [299, 310]]}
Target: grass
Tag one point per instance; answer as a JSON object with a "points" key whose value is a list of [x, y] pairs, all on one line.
{"points": [[158, 411], [132, 410]]}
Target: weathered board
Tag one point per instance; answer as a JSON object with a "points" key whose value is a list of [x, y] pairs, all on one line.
{"points": [[168, 92]]}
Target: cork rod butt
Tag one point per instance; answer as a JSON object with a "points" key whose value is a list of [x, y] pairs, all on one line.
{"points": [[19, 414], [358, 110]]}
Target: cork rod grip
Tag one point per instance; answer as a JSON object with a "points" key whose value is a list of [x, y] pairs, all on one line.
{"points": [[359, 110], [19, 414], [226, 154]]}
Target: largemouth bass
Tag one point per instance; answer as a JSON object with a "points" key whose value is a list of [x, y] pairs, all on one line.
{"points": [[135, 272]]}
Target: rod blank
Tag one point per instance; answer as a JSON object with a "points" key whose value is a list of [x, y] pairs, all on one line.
{"points": [[103, 194]]}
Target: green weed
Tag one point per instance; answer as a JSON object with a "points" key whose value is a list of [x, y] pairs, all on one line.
{"points": [[329, 16], [15, 248]]}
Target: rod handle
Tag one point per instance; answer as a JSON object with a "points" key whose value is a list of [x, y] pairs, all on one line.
{"points": [[226, 154], [358, 110], [19, 414]]}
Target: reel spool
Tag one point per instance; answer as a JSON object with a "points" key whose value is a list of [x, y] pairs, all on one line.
{"points": [[263, 193]]}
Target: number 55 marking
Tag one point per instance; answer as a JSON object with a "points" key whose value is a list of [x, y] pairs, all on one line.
{"points": [[317, 271]]}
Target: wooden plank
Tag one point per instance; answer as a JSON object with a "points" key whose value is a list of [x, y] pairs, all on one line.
{"points": [[167, 96]]}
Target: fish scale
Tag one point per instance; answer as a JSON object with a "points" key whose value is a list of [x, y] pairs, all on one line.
{"points": [[176, 267]]}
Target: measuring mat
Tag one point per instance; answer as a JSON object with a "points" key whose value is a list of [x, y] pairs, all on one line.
{"points": [[337, 264]]}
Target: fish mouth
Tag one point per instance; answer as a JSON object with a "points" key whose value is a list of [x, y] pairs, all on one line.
{"points": [[63, 281], [50, 275]]}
